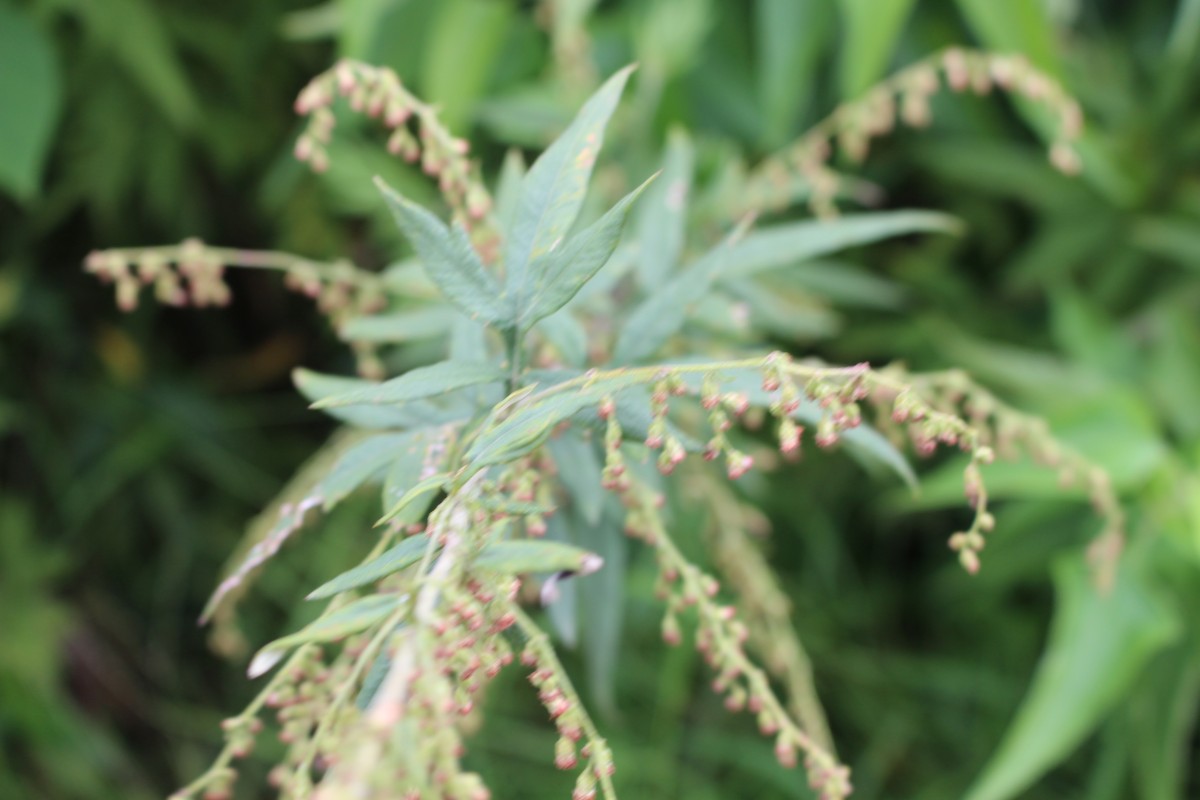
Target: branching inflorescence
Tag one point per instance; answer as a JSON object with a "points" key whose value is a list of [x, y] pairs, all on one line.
{"points": [[374, 699], [906, 98]]}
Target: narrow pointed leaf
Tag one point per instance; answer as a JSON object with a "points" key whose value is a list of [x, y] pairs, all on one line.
{"points": [[405, 554], [316, 386], [432, 381], [662, 215], [559, 275], [449, 259], [528, 426], [553, 190], [537, 555], [579, 469], [402, 326], [1099, 643], [353, 618], [663, 313], [366, 461], [566, 335], [419, 493], [872, 30], [795, 242]]}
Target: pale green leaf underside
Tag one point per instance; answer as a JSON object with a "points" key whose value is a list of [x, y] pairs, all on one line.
{"points": [[405, 554], [536, 555], [353, 618], [422, 382]]}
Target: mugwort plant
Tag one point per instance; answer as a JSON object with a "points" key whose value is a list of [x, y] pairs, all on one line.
{"points": [[589, 369]]}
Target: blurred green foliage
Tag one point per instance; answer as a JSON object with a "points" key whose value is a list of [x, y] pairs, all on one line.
{"points": [[135, 449]]}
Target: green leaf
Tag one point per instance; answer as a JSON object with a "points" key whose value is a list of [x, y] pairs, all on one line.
{"points": [[662, 216], [791, 243], [553, 190], [792, 36], [432, 381], [537, 555], [464, 39], [449, 259], [30, 97], [602, 606], [419, 493], [423, 452], [508, 188], [663, 313], [405, 554], [352, 618], [871, 29], [566, 335], [1098, 646], [402, 326], [557, 276], [579, 470], [134, 31], [1016, 26], [436, 411], [529, 425], [563, 606], [365, 461], [286, 514]]}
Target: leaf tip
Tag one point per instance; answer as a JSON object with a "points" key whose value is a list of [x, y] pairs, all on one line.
{"points": [[263, 661]]}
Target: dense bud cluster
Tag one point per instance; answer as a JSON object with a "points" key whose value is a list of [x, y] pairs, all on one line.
{"points": [[378, 92]]}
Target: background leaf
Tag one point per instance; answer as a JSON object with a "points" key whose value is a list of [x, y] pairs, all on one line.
{"points": [[871, 30], [30, 96], [1098, 646]]}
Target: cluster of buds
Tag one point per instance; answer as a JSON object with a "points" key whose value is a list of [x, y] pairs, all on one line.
{"points": [[192, 273], [521, 490], [659, 436], [614, 475], [577, 736], [378, 92], [720, 405], [720, 638], [905, 97], [183, 275]]}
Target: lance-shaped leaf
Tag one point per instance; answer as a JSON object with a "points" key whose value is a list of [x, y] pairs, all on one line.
{"points": [[537, 555], [557, 276], [663, 313], [316, 386], [432, 381], [450, 260], [270, 530], [405, 554], [794, 242], [529, 425], [353, 618], [421, 493], [1099, 643], [580, 471], [402, 326], [366, 461], [662, 216], [553, 190]]}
